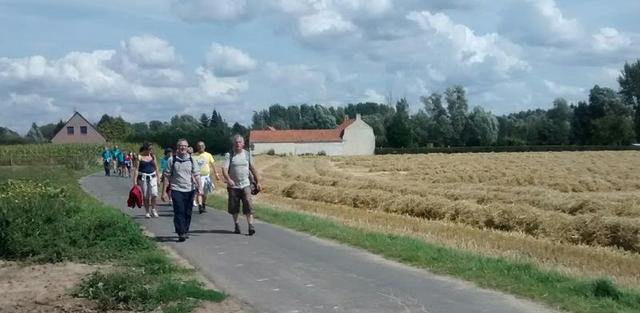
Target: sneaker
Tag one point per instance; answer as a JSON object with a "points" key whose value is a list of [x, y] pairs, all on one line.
{"points": [[147, 215], [202, 209], [252, 230], [237, 229], [155, 213]]}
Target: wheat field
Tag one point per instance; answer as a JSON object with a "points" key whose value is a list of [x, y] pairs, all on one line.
{"points": [[575, 212]]}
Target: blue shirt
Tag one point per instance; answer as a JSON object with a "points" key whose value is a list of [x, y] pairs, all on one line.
{"points": [[106, 155]]}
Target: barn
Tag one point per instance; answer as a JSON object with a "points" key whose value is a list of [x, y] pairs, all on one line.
{"points": [[352, 137], [78, 130]]}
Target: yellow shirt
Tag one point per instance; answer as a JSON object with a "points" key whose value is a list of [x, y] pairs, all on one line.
{"points": [[203, 160]]}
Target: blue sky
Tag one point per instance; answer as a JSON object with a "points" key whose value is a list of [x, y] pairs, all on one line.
{"points": [[152, 59]]}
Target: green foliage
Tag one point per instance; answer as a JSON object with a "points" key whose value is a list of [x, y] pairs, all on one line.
{"points": [[8, 136], [114, 128], [55, 221], [136, 290], [481, 128], [73, 156], [46, 223], [399, 132], [457, 106], [35, 135], [629, 81]]}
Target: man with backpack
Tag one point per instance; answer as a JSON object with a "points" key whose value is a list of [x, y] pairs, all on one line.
{"points": [[182, 175], [241, 176]]}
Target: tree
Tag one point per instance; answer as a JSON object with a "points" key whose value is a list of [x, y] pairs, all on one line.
{"points": [[559, 116], [50, 130], [439, 129], [611, 120], [156, 126], [8, 136], [399, 132], [581, 124], [457, 106], [114, 128], [481, 128], [629, 81], [204, 120], [35, 135]]}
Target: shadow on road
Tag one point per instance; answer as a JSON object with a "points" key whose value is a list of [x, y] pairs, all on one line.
{"points": [[165, 238], [211, 231]]}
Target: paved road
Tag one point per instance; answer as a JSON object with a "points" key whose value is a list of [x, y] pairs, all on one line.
{"points": [[279, 270]]}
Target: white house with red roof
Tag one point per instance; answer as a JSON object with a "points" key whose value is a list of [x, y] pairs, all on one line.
{"points": [[352, 137]]}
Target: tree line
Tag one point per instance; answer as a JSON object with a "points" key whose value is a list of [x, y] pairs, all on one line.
{"points": [[606, 117]]}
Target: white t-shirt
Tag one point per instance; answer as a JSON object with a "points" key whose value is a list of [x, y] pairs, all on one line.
{"points": [[239, 168]]}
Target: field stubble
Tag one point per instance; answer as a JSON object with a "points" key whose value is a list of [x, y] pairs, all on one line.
{"points": [[577, 212]]}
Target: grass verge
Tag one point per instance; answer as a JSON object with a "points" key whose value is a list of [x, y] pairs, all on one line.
{"points": [[53, 220], [518, 278]]}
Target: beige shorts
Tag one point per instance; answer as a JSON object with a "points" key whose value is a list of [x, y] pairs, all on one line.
{"points": [[149, 185]]}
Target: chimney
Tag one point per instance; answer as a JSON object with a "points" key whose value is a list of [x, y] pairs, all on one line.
{"points": [[358, 117]]}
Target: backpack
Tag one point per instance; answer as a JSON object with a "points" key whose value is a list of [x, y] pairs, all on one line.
{"points": [[173, 164]]}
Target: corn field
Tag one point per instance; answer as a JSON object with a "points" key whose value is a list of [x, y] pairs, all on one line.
{"points": [[70, 155]]}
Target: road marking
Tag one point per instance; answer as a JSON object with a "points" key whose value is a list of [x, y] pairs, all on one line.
{"points": [[262, 279]]}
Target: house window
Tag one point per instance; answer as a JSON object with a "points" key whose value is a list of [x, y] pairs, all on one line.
{"points": [[83, 130], [69, 130]]}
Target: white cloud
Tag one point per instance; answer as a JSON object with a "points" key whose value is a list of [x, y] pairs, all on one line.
{"points": [[210, 10], [324, 24], [467, 47], [299, 83], [609, 39], [149, 51], [108, 81], [540, 22], [229, 61], [371, 95], [560, 90]]}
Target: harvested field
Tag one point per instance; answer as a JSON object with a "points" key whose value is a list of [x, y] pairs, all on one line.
{"points": [[578, 212]]}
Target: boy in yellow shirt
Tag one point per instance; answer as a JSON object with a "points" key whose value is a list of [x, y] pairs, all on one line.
{"points": [[206, 163]]}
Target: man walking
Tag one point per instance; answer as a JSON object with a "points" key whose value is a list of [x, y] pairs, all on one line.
{"points": [[238, 170], [207, 165], [106, 161], [183, 176]]}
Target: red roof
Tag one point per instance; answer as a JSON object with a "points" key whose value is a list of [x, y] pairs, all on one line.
{"points": [[299, 135]]}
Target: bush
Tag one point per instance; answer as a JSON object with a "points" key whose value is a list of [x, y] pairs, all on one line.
{"points": [[271, 152], [322, 153], [45, 223]]}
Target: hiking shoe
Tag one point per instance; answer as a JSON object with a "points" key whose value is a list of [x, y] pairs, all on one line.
{"points": [[252, 230], [147, 215], [154, 212], [237, 229], [182, 238]]}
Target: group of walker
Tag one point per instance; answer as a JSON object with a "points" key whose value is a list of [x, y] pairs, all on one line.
{"points": [[117, 162], [186, 181]]}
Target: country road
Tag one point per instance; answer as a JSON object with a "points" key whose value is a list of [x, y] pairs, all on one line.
{"points": [[280, 270]]}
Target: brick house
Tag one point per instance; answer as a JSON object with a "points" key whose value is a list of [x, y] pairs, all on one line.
{"points": [[352, 137], [78, 130]]}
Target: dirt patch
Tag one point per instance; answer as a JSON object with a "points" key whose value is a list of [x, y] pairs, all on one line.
{"points": [[42, 288]]}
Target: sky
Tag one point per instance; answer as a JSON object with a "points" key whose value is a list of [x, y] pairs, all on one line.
{"points": [[153, 59]]}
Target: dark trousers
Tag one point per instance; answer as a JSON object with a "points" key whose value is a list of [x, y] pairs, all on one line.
{"points": [[182, 207], [107, 168]]}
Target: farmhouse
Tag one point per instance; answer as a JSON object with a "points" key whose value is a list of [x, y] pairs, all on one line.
{"points": [[352, 137], [78, 130]]}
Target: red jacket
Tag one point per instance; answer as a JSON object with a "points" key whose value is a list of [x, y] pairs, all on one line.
{"points": [[135, 197]]}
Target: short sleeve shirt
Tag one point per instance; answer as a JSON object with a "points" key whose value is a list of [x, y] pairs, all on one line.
{"points": [[204, 159], [239, 168], [183, 169]]}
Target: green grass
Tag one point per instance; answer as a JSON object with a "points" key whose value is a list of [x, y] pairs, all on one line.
{"points": [[518, 278], [46, 217]]}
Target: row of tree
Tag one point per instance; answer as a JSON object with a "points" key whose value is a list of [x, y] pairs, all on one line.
{"points": [[607, 117]]}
